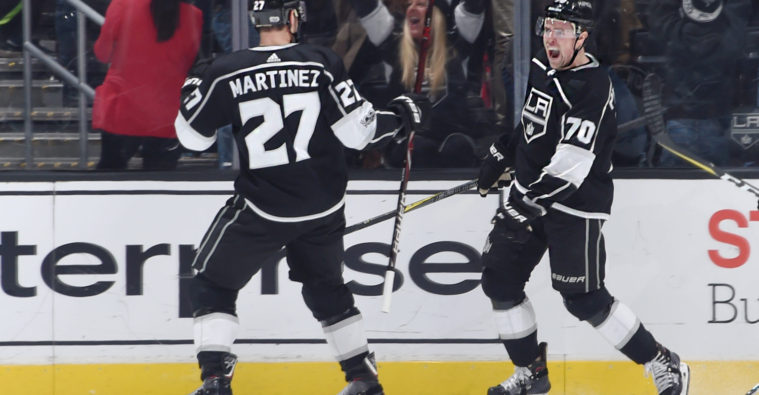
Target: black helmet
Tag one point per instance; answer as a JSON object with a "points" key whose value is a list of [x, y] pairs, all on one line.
{"points": [[270, 13], [702, 11], [578, 12]]}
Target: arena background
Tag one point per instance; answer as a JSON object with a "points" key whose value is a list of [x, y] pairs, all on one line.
{"points": [[94, 273]]}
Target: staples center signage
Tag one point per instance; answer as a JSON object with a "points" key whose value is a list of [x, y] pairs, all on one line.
{"points": [[107, 264], [727, 305]]}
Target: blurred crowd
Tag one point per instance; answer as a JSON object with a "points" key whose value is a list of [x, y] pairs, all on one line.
{"points": [[706, 51]]}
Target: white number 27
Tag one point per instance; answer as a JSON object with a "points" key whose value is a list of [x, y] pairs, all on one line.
{"points": [[259, 157]]}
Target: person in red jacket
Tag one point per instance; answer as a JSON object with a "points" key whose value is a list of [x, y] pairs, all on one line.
{"points": [[150, 45]]}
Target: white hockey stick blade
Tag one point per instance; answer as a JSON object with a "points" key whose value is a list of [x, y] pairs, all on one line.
{"points": [[387, 290]]}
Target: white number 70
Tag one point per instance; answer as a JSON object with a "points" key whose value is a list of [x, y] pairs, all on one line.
{"points": [[585, 130]]}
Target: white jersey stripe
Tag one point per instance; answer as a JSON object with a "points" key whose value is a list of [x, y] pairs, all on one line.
{"points": [[587, 260], [539, 63], [561, 92], [598, 255], [218, 239], [275, 218], [191, 138], [579, 213], [338, 103], [609, 98]]}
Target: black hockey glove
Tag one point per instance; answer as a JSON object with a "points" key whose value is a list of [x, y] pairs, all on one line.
{"points": [[495, 170], [414, 111], [515, 216]]}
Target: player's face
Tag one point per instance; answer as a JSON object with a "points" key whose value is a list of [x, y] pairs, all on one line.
{"points": [[415, 12], [559, 40]]}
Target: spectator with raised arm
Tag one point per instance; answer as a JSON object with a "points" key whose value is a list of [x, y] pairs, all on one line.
{"points": [[454, 29]]}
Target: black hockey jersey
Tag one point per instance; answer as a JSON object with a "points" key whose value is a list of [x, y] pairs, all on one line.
{"points": [[566, 136], [292, 109]]}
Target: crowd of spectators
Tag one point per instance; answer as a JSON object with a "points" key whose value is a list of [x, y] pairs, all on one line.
{"points": [[706, 51]]}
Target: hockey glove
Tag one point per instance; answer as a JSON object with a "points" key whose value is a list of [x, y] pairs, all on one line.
{"points": [[495, 170], [414, 112], [515, 216]]}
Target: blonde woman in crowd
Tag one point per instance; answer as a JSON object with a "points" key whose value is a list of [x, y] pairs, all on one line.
{"points": [[454, 29]]}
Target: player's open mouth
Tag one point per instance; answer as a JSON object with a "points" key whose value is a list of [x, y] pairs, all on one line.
{"points": [[553, 53]]}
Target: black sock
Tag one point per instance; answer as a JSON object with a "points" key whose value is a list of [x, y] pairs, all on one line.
{"points": [[641, 347], [211, 363], [523, 351], [355, 367]]}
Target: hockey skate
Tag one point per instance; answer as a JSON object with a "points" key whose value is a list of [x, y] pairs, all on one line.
{"points": [[528, 380], [671, 376], [215, 386], [361, 387], [365, 382], [219, 384]]}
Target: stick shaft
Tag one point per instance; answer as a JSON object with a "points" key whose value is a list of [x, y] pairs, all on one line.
{"points": [[652, 108], [412, 206], [401, 206], [388, 289], [424, 46], [665, 142]]}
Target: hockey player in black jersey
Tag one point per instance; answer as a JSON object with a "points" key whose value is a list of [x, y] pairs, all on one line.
{"points": [[559, 158], [293, 109]]}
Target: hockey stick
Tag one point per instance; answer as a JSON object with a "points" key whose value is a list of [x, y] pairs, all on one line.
{"points": [[387, 289], [424, 46], [623, 127], [412, 206], [753, 390], [639, 121], [652, 103]]}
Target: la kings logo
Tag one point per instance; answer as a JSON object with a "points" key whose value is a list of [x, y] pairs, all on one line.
{"points": [[744, 128], [535, 114]]}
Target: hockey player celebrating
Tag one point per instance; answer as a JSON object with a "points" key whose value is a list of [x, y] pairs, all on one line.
{"points": [[293, 109], [561, 196]]}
